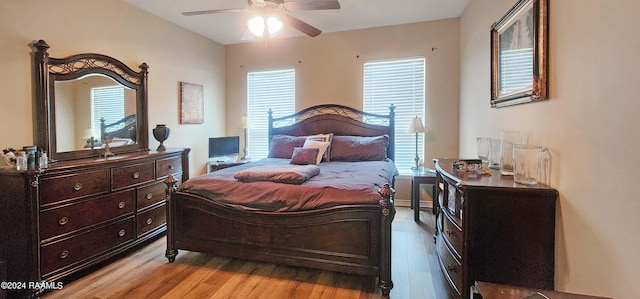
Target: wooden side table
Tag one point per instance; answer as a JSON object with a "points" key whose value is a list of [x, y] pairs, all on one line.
{"points": [[427, 176]]}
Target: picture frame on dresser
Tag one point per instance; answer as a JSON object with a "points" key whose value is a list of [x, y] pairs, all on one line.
{"points": [[519, 54]]}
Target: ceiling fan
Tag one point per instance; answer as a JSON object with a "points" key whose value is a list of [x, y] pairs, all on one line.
{"points": [[281, 8]]}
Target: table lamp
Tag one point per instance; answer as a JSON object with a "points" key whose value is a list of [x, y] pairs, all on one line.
{"points": [[416, 127], [87, 135], [246, 124]]}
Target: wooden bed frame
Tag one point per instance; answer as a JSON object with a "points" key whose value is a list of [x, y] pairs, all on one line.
{"points": [[353, 239], [125, 128]]}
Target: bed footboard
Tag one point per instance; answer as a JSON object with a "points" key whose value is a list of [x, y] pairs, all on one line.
{"points": [[354, 239]]}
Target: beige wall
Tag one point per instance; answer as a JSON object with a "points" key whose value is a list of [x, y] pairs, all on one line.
{"points": [[116, 29], [329, 70], [590, 124]]}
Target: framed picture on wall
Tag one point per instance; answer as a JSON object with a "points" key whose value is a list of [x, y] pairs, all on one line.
{"points": [[191, 103], [519, 54]]}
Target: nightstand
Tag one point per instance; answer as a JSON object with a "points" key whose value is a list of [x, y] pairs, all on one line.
{"points": [[217, 165], [426, 176]]}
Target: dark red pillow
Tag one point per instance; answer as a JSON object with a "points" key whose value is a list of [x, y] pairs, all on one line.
{"points": [[282, 146], [304, 155], [359, 148]]}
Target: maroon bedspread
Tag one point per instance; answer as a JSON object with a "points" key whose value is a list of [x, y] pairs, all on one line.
{"points": [[337, 183]]}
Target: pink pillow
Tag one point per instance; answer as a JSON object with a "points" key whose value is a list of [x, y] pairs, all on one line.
{"points": [[282, 146], [359, 148], [304, 155]]}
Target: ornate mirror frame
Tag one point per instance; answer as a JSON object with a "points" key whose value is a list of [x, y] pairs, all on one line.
{"points": [[49, 70], [521, 33]]}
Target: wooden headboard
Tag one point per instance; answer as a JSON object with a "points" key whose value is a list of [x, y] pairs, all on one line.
{"points": [[124, 128], [336, 119]]}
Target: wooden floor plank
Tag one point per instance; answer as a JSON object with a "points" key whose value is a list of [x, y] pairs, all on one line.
{"points": [[146, 273]]}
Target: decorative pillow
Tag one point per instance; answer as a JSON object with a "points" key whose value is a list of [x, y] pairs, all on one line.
{"points": [[324, 138], [282, 146], [359, 148], [304, 155], [321, 146]]}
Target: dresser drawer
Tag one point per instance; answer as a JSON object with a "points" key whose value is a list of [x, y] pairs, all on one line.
{"points": [[149, 195], [71, 217], [450, 266], [53, 189], [58, 255], [126, 176], [151, 219], [168, 166], [453, 235]]}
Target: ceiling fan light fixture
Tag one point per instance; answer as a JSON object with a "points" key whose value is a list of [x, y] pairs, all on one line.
{"points": [[256, 26], [274, 26], [259, 26]]}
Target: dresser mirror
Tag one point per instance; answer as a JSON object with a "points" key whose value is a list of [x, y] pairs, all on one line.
{"points": [[86, 102]]}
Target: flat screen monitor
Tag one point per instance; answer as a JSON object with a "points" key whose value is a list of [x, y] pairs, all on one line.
{"points": [[224, 146]]}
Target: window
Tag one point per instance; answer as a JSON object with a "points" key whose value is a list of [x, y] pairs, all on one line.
{"points": [[106, 102], [401, 83], [275, 90]]}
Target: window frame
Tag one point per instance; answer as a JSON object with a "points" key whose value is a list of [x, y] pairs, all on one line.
{"points": [[404, 143], [275, 80]]}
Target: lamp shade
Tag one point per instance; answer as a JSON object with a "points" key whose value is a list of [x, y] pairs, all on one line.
{"points": [[87, 133], [245, 122], [416, 126]]}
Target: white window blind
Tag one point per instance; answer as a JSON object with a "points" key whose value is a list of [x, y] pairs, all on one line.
{"points": [[517, 69], [275, 90], [106, 102], [401, 83]]}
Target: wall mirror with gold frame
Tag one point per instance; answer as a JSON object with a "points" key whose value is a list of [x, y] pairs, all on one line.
{"points": [[519, 54], [85, 101]]}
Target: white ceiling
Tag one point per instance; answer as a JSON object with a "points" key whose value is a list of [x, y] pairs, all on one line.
{"points": [[229, 28]]}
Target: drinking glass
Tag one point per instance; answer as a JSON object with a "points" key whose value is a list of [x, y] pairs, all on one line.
{"points": [[507, 140], [494, 158], [484, 150]]}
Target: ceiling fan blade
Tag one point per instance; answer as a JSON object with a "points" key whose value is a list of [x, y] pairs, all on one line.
{"points": [[206, 12], [311, 5], [300, 25]]}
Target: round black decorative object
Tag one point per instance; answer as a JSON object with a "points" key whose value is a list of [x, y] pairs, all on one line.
{"points": [[161, 133]]}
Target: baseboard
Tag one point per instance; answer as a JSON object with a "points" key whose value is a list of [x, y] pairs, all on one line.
{"points": [[407, 203]]}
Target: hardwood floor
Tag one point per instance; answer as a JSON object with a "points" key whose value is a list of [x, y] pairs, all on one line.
{"points": [[145, 273]]}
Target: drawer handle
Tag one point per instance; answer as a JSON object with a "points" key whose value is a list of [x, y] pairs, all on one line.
{"points": [[77, 186], [121, 205], [449, 232], [64, 254], [451, 268], [136, 175], [63, 221], [149, 221], [149, 195], [122, 232]]}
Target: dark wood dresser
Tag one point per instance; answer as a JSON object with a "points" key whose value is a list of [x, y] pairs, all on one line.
{"points": [[491, 229], [61, 219]]}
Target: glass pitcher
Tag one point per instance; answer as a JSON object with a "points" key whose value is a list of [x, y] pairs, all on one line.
{"points": [[531, 164]]}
